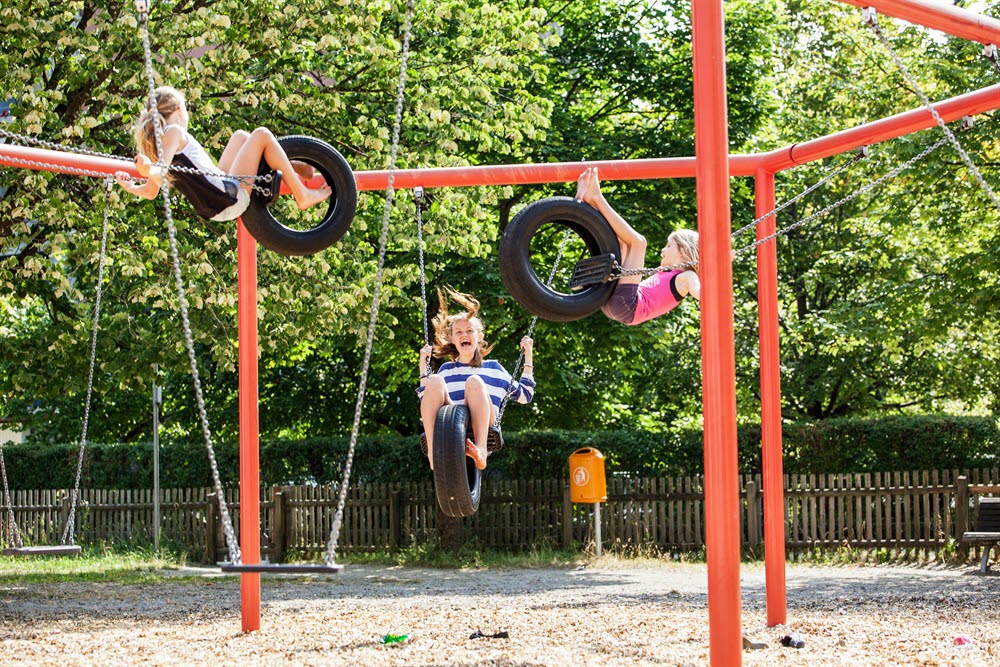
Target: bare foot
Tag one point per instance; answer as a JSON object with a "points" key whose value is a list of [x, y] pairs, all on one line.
{"points": [[479, 458], [311, 197]]}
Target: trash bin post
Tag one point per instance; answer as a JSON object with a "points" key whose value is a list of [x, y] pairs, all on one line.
{"points": [[587, 484]]}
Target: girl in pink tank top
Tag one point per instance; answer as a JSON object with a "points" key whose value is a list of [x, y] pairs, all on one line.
{"points": [[634, 302]]}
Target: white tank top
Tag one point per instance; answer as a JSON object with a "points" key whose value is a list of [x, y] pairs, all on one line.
{"points": [[199, 158]]}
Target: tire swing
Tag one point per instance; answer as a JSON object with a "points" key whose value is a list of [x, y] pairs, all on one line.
{"points": [[458, 483], [341, 206], [519, 275]]}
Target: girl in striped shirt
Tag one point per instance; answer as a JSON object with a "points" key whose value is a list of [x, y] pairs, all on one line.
{"points": [[468, 377]]}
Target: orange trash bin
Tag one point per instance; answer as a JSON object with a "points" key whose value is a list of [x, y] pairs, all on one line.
{"points": [[586, 476]]}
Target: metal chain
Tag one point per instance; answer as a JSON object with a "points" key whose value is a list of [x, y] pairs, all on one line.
{"points": [[48, 166], [418, 195], [872, 22], [840, 202], [531, 329], [15, 534], [859, 155], [68, 535], [330, 556], [232, 545], [990, 53], [23, 138], [252, 179]]}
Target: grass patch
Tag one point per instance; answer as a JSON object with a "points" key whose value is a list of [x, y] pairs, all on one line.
{"points": [[99, 563], [470, 556]]}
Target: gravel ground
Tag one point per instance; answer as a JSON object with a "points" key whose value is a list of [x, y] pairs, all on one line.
{"points": [[609, 614]]}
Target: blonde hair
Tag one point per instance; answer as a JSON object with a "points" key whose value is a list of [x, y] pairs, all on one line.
{"points": [[444, 323], [167, 101], [687, 244]]}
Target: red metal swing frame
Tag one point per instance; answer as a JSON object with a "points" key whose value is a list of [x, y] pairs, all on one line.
{"points": [[712, 166]]}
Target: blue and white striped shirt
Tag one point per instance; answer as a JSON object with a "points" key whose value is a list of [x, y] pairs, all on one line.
{"points": [[496, 378]]}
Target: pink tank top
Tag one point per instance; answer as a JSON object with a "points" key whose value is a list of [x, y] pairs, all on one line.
{"points": [[657, 295]]}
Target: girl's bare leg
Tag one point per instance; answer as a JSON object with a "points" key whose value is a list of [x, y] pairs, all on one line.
{"points": [[262, 144], [481, 411], [232, 148], [435, 395]]}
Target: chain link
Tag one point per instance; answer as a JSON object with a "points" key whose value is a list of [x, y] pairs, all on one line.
{"points": [[531, 329], [418, 196], [840, 202], [330, 556], [873, 24], [232, 545], [48, 166], [68, 534], [15, 534], [861, 154]]}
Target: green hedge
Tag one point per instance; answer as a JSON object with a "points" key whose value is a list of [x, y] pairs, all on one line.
{"points": [[830, 446]]}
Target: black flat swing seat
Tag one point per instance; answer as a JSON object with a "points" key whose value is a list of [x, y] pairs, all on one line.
{"points": [[595, 270], [59, 550], [280, 568]]}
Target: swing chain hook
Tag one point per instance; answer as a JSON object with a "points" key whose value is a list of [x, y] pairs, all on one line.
{"points": [[869, 17], [142, 8]]}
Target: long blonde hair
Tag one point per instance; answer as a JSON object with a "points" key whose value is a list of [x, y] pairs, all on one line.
{"points": [[444, 323], [687, 243], [167, 100]]}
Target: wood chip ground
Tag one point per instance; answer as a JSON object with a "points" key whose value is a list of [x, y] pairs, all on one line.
{"points": [[597, 615]]}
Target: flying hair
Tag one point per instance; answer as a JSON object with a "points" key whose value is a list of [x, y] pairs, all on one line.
{"points": [[444, 323], [167, 100]]}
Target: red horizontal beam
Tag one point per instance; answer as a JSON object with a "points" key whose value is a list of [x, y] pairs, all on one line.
{"points": [[938, 15], [893, 127], [908, 122], [61, 162]]}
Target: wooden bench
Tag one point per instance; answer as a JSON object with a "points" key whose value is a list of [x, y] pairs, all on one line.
{"points": [[987, 529]]}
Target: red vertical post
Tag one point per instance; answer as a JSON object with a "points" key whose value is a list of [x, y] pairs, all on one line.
{"points": [[711, 131], [246, 272], [770, 402]]}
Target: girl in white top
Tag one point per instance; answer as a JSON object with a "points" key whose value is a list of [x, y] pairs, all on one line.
{"points": [[214, 196]]}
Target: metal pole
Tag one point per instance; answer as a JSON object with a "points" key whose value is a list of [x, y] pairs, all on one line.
{"points": [[722, 521], [157, 400], [597, 529], [770, 403], [246, 278]]}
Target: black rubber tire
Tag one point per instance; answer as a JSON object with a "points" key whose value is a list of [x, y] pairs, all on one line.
{"points": [[341, 206], [457, 482], [527, 288]]}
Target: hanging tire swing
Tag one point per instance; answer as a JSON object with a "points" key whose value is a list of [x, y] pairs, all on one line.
{"points": [[458, 483], [519, 275], [341, 206]]}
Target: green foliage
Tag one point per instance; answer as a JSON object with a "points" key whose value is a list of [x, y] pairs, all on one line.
{"points": [[829, 446], [887, 305]]}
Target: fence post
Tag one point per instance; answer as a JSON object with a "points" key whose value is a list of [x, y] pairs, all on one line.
{"points": [[395, 519], [63, 515], [753, 514], [210, 543], [278, 539], [962, 514], [567, 518]]}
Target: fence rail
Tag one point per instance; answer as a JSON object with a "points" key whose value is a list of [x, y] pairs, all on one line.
{"points": [[922, 510]]}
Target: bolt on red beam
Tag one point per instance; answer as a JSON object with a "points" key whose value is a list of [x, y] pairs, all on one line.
{"points": [[939, 16]]}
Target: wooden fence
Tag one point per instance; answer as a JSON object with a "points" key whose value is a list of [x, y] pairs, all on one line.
{"points": [[900, 510]]}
